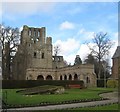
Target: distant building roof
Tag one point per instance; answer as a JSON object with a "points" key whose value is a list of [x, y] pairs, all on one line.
{"points": [[117, 53]]}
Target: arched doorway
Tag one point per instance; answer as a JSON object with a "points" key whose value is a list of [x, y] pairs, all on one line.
{"points": [[75, 77], [87, 80], [70, 77], [40, 77], [61, 77], [65, 77], [49, 77]]}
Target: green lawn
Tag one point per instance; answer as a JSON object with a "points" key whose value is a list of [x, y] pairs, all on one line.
{"points": [[112, 107], [70, 94], [107, 107]]}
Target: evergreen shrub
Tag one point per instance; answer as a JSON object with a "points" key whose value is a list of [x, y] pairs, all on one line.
{"points": [[112, 83]]}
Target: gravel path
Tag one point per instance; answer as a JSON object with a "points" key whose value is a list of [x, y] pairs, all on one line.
{"points": [[113, 98]]}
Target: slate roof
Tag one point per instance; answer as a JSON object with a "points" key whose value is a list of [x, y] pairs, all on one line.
{"points": [[117, 53]]}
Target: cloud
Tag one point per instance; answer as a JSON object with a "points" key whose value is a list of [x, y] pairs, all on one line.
{"points": [[84, 50], [26, 8], [68, 49], [117, 38], [0, 12], [75, 10], [66, 25], [70, 58], [21, 28], [112, 50], [68, 46], [84, 35], [71, 47], [114, 47], [118, 41]]}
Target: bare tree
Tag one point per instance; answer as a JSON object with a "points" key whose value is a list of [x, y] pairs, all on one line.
{"points": [[56, 50], [9, 40], [90, 59], [102, 45]]}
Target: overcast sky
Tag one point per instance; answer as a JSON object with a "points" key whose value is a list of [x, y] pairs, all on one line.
{"points": [[70, 24]]}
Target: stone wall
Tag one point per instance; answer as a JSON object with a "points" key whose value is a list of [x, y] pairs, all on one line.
{"points": [[79, 72], [116, 63], [115, 68]]}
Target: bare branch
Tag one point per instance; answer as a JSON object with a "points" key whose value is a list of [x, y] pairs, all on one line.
{"points": [[56, 50], [102, 46]]}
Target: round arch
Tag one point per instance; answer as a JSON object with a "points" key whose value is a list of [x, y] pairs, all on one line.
{"points": [[61, 77], [75, 77], [49, 77], [70, 77], [40, 77], [87, 80], [65, 77]]}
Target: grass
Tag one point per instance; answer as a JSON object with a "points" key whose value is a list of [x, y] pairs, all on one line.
{"points": [[107, 107], [70, 94]]}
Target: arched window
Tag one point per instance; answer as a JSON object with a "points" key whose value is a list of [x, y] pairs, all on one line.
{"points": [[49, 77], [87, 80], [40, 77]]}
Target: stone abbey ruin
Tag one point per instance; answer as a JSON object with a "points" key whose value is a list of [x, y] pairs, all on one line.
{"points": [[34, 60]]}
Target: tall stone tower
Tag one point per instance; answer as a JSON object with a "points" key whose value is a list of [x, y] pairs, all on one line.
{"points": [[38, 46], [34, 51]]}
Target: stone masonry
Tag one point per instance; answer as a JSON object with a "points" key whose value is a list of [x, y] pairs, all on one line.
{"points": [[34, 60], [116, 64]]}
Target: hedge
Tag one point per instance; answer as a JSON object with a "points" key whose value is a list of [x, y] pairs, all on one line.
{"points": [[112, 83], [14, 84], [100, 83]]}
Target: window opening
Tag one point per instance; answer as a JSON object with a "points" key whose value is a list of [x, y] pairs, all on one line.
{"points": [[29, 32], [35, 55], [42, 55], [38, 33]]}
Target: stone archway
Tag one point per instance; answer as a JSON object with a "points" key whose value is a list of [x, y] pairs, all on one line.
{"points": [[65, 77], [40, 77], [49, 77], [70, 77], [61, 77], [75, 77]]}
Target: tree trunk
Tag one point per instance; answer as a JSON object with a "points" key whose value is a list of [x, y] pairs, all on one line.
{"points": [[6, 61], [99, 73]]}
